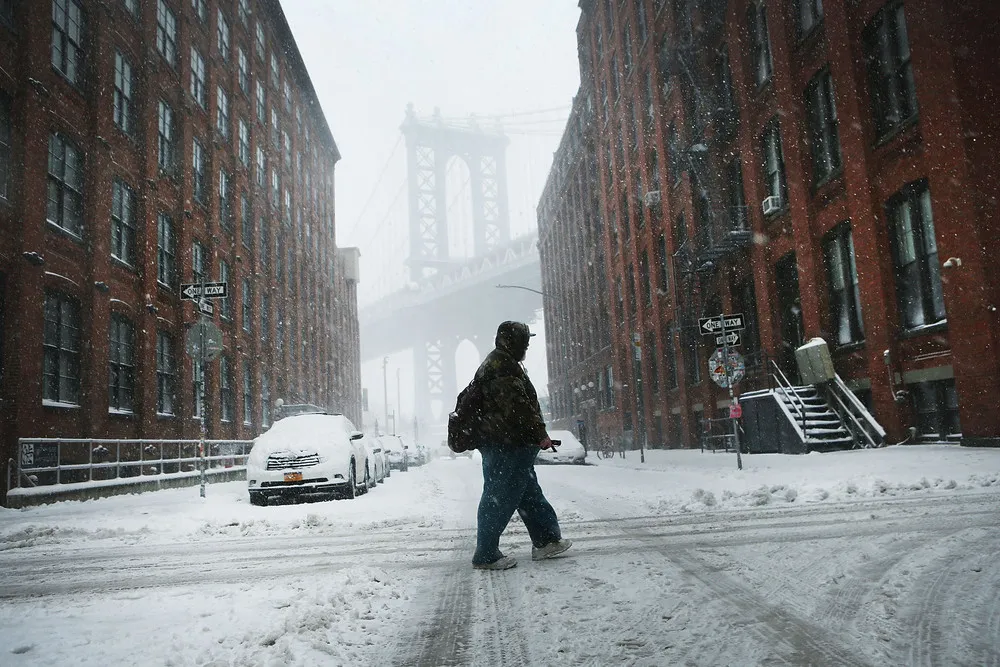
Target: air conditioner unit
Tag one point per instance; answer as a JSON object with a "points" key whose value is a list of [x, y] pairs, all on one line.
{"points": [[651, 198], [771, 205]]}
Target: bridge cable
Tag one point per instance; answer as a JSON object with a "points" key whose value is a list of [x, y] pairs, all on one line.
{"points": [[378, 182]]}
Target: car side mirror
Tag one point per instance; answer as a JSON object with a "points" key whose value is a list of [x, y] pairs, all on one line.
{"points": [[357, 435], [406, 446]]}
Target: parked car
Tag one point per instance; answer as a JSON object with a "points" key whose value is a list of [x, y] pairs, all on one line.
{"points": [[308, 455], [419, 455], [377, 462], [570, 451], [398, 452]]}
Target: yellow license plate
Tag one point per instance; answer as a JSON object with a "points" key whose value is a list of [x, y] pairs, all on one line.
{"points": [[293, 477]]}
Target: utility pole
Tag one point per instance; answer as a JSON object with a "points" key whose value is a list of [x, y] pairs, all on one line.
{"points": [[399, 404], [385, 389]]}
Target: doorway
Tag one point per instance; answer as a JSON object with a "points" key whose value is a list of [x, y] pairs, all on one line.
{"points": [[790, 309]]}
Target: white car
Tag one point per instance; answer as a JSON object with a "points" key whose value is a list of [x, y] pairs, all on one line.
{"points": [[397, 451], [376, 461], [570, 451], [308, 455]]}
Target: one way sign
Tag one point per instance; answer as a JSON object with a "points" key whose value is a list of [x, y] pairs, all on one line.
{"points": [[212, 291], [712, 325], [732, 339]]}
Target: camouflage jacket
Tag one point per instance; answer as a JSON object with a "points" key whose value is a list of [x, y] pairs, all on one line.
{"points": [[510, 414]]}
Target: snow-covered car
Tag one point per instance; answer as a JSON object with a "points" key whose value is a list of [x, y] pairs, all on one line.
{"points": [[308, 455], [570, 451], [397, 451], [377, 463]]}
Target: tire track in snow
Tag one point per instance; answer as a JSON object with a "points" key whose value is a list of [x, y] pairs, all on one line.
{"points": [[444, 640], [500, 638]]}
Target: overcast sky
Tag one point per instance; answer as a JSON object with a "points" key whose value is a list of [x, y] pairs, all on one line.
{"points": [[369, 59]]}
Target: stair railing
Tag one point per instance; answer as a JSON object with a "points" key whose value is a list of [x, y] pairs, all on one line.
{"points": [[785, 387], [872, 432]]}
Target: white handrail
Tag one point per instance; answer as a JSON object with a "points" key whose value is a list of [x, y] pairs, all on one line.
{"points": [[859, 406]]}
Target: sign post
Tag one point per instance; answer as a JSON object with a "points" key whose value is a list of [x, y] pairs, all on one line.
{"points": [[204, 343], [725, 329]]}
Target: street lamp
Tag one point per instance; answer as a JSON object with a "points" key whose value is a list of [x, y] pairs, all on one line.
{"points": [[530, 289]]}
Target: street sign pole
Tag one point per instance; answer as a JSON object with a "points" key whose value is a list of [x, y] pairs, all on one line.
{"points": [[201, 378], [729, 385]]}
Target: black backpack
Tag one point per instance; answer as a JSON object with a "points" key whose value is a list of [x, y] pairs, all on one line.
{"points": [[463, 423]]}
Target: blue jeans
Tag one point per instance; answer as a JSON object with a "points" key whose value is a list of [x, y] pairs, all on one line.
{"points": [[509, 484]]}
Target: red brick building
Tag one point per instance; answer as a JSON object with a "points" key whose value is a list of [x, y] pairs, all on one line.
{"points": [[143, 144], [824, 168]]}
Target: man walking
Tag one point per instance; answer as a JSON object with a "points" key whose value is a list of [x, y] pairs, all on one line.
{"points": [[512, 431]]}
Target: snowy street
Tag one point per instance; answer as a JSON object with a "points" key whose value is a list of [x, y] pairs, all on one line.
{"points": [[850, 558]]}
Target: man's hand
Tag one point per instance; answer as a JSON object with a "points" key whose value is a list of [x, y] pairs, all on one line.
{"points": [[546, 443]]}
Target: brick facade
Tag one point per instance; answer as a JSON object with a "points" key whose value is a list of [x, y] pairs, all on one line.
{"points": [[282, 248], [871, 122]]}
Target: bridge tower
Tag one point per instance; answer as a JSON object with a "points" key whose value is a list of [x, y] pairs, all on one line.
{"points": [[430, 144]]}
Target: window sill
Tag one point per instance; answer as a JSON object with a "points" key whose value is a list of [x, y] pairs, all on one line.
{"points": [[900, 128], [60, 405], [924, 330], [165, 415], [847, 348], [77, 238], [121, 263], [115, 412], [830, 178]]}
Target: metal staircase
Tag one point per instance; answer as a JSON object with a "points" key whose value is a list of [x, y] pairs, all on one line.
{"points": [[816, 418]]}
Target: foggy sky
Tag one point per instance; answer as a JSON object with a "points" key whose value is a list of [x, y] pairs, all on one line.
{"points": [[368, 59]]}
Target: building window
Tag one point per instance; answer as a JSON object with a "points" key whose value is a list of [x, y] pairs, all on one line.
{"points": [[647, 291], [123, 103], [275, 187], [261, 103], [261, 168], [918, 273], [890, 73], [166, 259], [692, 360], [166, 373], [287, 140], [61, 369], [67, 39], [222, 112], [246, 221], [842, 276], [275, 72], [121, 365], [200, 8], [199, 265], [166, 33], [259, 43], [223, 33], [122, 223], [774, 162], [824, 137], [4, 146], [198, 173], [244, 12], [669, 357], [664, 272], [265, 317], [165, 138], [275, 128], [653, 369], [227, 303], [936, 407], [65, 186], [244, 140], [810, 15], [247, 306], [247, 395], [673, 153], [244, 70], [225, 201], [626, 49], [265, 400], [226, 389], [760, 44], [288, 96], [198, 88], [132, 6]]}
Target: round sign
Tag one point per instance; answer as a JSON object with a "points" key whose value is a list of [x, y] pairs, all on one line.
{"points": [[207, 331], [737, 368]]}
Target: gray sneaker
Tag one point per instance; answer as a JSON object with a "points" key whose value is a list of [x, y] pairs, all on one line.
{"points": [[502, 563], [550, 550]]}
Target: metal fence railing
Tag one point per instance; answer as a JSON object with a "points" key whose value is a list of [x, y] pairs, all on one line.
{"points": [[55, 461]]}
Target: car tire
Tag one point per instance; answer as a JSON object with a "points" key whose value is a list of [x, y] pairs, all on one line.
{"points": [[258, 498], [352, 489], [369, 480]]}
